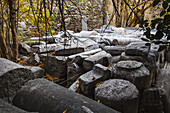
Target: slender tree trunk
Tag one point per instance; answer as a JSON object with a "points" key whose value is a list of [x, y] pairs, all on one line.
{"points": [[13, 17], [3, 47]]}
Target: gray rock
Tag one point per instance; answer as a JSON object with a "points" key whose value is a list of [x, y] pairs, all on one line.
{"points": [[152, 101], [118, 94], [45, 48], [114, 50], [149, 61], [89, 80], [163, 82], [8, 108], [12, 77], [137, 49], [168, 56], [73, 72], [43, 96], [24, 49], [74, 87], [33, 59], [38, 72], [134, 72], [85, 54], [55, 65], [101, 58], [68, 51]]}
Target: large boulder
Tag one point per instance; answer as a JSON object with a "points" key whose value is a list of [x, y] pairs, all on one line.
{"points": [[118, 94], [12, 77], [43, 96]]}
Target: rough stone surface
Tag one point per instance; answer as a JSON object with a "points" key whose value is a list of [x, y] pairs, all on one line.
{"points": [[43, 96], [45, 48], [8, 108], [33, 59], [73, 72], [68, 51], [24, 49], [114, 50], [168, 56], [129, 64], [55, 65], [149, 61], [101, 58], [137, 48], [85, 54], [134, 72], [152, 101], [163, 82], [38, 72], [118, 94], [88, 80], [12, 77]]}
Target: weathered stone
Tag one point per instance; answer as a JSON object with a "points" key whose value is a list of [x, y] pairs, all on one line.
{"points": [[8, 108], [68, 51], [134, 72], [114, 50], [152, 101], [73, 72], [115, 59], [137, 49], [43, 96], [168, 56], [32, 43], [88, 80], [55, 65], [24, 49], [122, 40], [101, 58], [38, 72], [163, 82], [33, 59], [12, 77], [149, 61], [45, 48], [118, 94], [85, 54], [74, 87]]}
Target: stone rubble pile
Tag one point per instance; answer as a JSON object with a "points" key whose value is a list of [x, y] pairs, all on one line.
{"points": [[119, 74]]}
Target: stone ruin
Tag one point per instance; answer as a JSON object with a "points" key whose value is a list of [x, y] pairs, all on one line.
{"points": [[126, 76]]}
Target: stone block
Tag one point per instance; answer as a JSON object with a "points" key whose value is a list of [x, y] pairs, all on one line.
{"points": [[152, 101], [55, 65], [101, 58], [89, 80], [133, 71], [33, 59], [12, 77], [43, 96], [24, 49], [137, 49], [68, 51], [118, 94], [114, 50], [8, 108], [38, 72]]}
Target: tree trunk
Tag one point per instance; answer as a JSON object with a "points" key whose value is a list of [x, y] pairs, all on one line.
{"points": [[13, 16], [3, 47]]}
